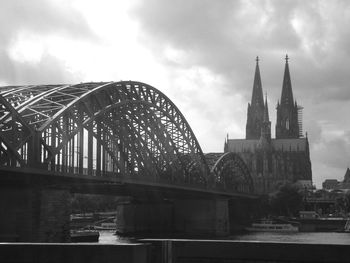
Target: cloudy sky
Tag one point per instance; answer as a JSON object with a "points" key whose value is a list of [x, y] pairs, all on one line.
{"points": [[201, 54]]}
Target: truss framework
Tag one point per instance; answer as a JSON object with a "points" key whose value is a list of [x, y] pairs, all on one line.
{"points": [[120, 129], [231, 173]]}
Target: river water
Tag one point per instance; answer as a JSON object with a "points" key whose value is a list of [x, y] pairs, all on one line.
{"points": [[108, 237], [300, 237]]}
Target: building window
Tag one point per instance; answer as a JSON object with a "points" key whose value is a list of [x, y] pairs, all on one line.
{"points": [[260, 164], [287, 124]]}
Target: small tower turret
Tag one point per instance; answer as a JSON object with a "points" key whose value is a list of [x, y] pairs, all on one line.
{"points": [[265, 136], [266, 128]]}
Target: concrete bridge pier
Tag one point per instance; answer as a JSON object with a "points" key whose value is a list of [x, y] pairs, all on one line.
{"points": [[144, 217], [202, 217], [242, 212], [34, 214], [206, 217]]}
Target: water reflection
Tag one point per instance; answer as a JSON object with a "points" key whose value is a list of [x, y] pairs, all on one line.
{"points": [[300, 237], [108, 237]]}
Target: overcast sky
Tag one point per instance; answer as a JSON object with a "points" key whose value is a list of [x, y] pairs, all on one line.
{"points": [[201, 54]]}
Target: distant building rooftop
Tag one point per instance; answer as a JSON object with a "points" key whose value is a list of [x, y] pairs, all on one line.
{"points": [[335, 184], [330, 184]]}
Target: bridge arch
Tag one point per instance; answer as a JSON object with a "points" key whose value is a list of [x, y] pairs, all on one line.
{"points": [[124, 128], [232, 174]]}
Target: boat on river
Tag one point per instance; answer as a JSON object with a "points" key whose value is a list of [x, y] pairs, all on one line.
{"points": [[273, 225], [106, 224], [311, 222]]}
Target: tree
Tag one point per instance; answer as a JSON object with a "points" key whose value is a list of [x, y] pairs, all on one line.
{"points": [[347, 201], [287, 200]]}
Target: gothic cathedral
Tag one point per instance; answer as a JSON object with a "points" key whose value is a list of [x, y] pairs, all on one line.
{"points": [[286, 158]]}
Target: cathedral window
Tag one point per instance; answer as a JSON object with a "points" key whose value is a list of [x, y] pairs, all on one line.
{"points": [[260, 164], [270, 164], [287, 124]]}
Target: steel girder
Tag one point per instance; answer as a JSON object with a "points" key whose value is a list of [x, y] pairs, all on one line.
{"points": [[122, 128], [231, 173]]}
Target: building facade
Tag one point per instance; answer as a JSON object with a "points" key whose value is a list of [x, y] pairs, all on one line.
{"points": [[273, 161]]}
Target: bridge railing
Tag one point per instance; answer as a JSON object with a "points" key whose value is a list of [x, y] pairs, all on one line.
{"points": [[112, 176], [223, 251]]}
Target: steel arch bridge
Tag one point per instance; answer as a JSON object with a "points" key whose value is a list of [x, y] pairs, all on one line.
{"points": [[121, 129]]}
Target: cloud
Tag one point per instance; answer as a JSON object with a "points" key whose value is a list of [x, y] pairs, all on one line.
{"points": [[39, 18], [200, 53], [330, 158], [334, 153], [49, 69], [224, 37]]}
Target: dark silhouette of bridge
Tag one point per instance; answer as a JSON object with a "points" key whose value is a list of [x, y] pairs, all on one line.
{"points": [[120, 138]]}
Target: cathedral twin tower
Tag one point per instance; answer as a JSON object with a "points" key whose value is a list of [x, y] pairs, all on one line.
{"points": [[288, 124], [284, 159]]}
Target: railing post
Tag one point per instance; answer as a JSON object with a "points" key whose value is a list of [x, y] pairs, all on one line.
{"points": [[167, 251]]}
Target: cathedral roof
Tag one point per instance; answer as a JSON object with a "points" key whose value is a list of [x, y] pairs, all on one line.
{"points": [[287, 92], [294, 145], [243, 145]]}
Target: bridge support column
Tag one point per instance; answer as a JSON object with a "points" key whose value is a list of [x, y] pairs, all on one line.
{"points": [[34, 214], [202, 217], [241, 212], [150, 217]]}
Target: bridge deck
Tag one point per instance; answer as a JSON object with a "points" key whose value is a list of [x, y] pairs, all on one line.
{"points": [[111, 185]]}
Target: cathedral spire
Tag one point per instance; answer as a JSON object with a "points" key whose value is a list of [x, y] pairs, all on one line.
{"points": [[287, 123], [255, 110], [257, 95], [287, 92]]}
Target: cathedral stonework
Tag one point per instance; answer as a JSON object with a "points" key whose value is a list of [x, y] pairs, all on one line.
{"points": [[286, 158]]}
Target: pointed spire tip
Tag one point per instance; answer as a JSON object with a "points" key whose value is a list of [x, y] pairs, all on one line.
{"points": [[257, 95]]}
